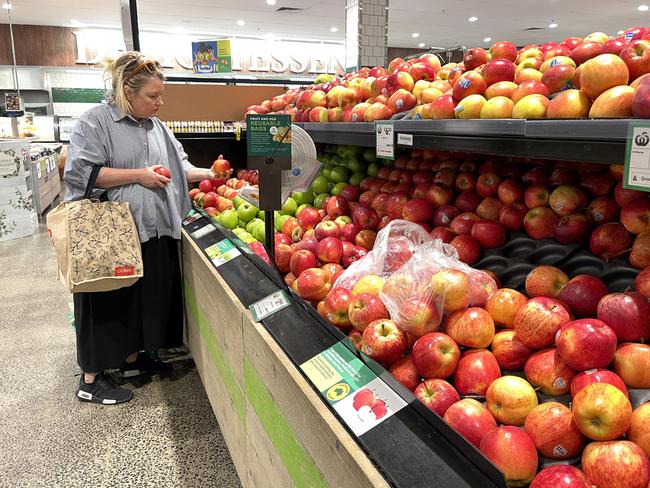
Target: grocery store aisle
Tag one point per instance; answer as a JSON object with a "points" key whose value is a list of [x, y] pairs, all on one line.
{"points": [[167, 436]]}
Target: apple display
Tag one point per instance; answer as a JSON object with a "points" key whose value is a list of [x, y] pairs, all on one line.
{"points": [[435, 355], [450, 289], [513, 451], [472, 327], [586, 378], [548, 373], [384, 341], [509, 352], [437, 395], [406, 373], [616, 464], [476, 370], [545, 281], [628, 314], [632, 364], [561, 476], [639, 432], [601, 73], [470, 419], [539, 320]]}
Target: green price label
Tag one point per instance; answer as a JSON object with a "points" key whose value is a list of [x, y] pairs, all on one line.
{"points": [[222, 252], [268, 135]]}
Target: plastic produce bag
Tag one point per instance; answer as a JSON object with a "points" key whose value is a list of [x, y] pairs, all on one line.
{"points": [[423, 280]]}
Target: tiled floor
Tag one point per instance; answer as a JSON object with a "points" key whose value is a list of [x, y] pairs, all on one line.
{"points": [[167, 436]]}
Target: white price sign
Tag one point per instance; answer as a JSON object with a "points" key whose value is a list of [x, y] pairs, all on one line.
{"points": [[385, 131], [269, 305], [405, 139], [637, 160]]}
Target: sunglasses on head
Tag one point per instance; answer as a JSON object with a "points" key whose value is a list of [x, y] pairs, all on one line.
{"points": [[150, 66]]}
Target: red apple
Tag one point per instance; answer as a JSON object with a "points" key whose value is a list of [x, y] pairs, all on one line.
{"points": [[537, 195], [565, 200], [365, 217], [635, 216], [467, 201], [397, 81], [364, 309], [510, 191], [437, 395], [470, 419], [475, 57], [465, 181], [553, 431], [640, 255], [601, 73], [439, 194], [561, 476], [405, 372], [558, 77], [610, 240], [639, 432], [468, 248], [463, 223], [619, 464], [489, 209], [418, 210], [489, 234], [637, 58], [503, 50], [488, 184], [545, 281], [586, 378], [537, 322], [602, 412], [632, 364], [384, 341], [498, 70], [586, 51], [337, 303], [476, 370], [602, 210], [623, 196], [628, 314], [539, 222], [642, 282], [582, 294], [503, 306], [568, 104], [337, 206], [511, 216], [472, 327], [510, 399], [435, 355], [400, 101], [444, 215], [513, 451], [302, 260], [313, 284], [327, 228], [571, 229], [530, 87], [450, 290], [509, 352], [446, 235], [546, 371], [329, 250], [418, 316]]}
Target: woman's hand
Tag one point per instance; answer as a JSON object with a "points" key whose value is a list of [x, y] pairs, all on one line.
{"points": [[150, 179]]}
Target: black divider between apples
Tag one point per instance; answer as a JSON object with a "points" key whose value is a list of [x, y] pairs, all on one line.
{"points": [[414, 447]]}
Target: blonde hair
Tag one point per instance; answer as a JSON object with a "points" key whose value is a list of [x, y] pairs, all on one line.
{"points": [[132, 70]]}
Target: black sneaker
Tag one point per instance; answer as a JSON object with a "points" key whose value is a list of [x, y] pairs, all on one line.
{"points": [[144, 364], [103, 390]]}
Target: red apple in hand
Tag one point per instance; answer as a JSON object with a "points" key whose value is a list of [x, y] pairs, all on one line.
{"points": [[602, 412], [586, 378], [384, 341], [628, 314], [586, 344], [513, 451], [406, 373], [546, 371], [617, 464], [582, 294], [539, 320], [437, 395], [470, 419], [632, 364], [476, 371], [435, 355], [561, 476], [553, 431]]}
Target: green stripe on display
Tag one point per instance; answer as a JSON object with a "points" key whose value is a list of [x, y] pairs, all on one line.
{"points": [[78, 95], [298, 463], [218, 358]]}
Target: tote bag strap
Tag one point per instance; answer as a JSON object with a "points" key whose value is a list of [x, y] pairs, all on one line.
{"points": [[91, 181]]}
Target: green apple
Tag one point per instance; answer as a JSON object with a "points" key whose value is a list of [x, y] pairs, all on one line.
{"points": [[261, 215], [355, 166], [229, 219], [302, 197], [370, 155], [247, 238], [259, 233], [247, 212], [241, 224], [238, 231], [356, 178], [320, 199], [373, 170], [320, 185], [326, 172], [279, 222], [338, 188], [237, 201], [299, 209], [289, 207], [339, 174], [253, 224], [388, 162]]}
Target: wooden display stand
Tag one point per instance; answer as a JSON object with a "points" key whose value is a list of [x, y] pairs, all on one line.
{"points": [[277, 428]]}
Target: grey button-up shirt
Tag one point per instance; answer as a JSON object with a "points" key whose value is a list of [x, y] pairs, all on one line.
{"points": [[105, 136]]}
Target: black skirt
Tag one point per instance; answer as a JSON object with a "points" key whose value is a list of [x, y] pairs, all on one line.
{"points": [[145, 316]]}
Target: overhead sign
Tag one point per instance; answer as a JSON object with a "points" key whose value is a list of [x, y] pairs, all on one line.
{"points": [[637, 161], [211, 56]]}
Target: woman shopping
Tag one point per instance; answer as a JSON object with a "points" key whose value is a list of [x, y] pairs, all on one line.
{"points": [[130, 144]]}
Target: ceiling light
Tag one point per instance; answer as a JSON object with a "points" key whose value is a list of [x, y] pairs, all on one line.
{"points": [[334, 29], [552, 25], [421, 44], [241, 22], [642, 8], [415, 35], [270, 2], [7, 6], [473, 19], [487, 39]]}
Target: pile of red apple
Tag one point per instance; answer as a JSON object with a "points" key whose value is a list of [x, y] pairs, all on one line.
{"points": [[597, 76], [250, 175]]}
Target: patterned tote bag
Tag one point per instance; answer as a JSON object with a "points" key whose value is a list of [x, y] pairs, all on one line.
{"points": [[96, 243]]}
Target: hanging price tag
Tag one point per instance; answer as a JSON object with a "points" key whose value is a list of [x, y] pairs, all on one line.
{"points": [[385, 131], [637, 159]]}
